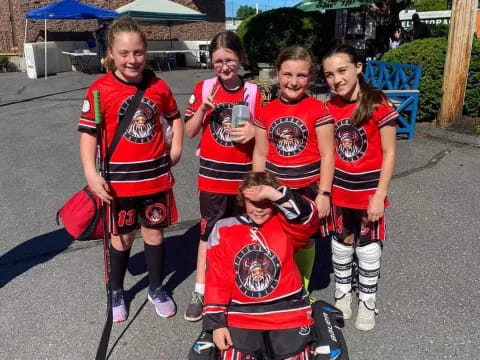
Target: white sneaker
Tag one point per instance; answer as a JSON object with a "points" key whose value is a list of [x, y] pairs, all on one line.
{"points": [[343, 302], [366, 315]]}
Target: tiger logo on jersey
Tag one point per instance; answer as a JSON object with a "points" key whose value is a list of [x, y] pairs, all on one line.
{"points": [[289, 135], [221, 124], [143, 124], [351, 141], [257, 271], [156, 213]]}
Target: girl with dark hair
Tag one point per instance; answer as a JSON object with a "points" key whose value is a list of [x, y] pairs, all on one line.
{"points": [[364, 163], [225, 150], [294, 141], [140, 184]]}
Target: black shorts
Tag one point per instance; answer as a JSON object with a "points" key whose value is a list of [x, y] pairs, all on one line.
{"points": [[214, 207], [155, 211], [271, 344], [355, 221]]}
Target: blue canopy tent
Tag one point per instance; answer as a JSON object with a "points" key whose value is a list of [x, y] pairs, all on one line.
{"points": [[66, 10]]}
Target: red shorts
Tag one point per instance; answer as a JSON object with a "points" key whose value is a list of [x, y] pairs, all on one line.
{"points": [[354, 221], [214, 207], [155, 211]]}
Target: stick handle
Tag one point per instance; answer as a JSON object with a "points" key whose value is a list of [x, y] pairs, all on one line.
{"points": [[96, 107]]}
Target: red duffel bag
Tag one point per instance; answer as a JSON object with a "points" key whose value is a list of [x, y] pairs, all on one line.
{"points": [[81, 216]]}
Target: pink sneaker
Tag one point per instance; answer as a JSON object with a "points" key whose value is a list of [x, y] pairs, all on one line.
{"points": [[164, 305]]}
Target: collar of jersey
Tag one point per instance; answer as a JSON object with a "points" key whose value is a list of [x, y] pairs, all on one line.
{"points": [[292, 102], [242, 85]]}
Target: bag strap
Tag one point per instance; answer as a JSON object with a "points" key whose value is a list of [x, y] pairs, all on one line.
{"points": [[122, 126]]}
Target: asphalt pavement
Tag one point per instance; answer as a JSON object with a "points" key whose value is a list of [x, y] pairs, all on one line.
{"points": [[52, 297]]}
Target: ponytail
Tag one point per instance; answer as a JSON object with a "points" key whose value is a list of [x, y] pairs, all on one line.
{"points": [[368, 99]]}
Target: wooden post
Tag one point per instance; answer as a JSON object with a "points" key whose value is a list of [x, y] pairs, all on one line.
{"points": [[460, 37]]}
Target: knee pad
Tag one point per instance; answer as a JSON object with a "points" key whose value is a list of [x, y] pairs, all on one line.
{"points": [[341, 251], [368, 269]]}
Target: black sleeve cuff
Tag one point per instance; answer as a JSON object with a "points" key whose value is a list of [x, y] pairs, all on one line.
{"points": [[214, 321], [300, 209]]}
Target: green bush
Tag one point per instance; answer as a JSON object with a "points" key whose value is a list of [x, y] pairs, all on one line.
{"points": [[440, 30], [430, 54], [266, 34]]}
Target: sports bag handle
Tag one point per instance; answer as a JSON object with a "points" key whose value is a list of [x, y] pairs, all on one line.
{"points": [[147, 77]]}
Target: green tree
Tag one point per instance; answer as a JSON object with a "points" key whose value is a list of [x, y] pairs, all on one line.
{"points": [[245, 11]]}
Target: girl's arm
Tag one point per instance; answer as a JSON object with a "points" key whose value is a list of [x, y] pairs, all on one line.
{"points": [[177, 141], [88, 152], [327, 167], [194, 124], [260, 150], [376, 206]]}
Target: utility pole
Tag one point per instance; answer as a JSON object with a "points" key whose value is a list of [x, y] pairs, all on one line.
{"points": [[460, 37]]}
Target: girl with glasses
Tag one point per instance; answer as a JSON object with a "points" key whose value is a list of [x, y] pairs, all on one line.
{"points": [[225, 151]]}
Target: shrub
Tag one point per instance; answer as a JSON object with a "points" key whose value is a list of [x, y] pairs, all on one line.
{"points": [[266, 34], [430, 54], [440, 30]]}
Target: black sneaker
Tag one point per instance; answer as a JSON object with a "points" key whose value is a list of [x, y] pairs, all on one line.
{"points": [[195, 308]]}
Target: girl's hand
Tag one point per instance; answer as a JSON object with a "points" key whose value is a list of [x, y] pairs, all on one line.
{"points": [[244, 133], [323, 205], [99, 186], [222, 338], [261, 192], [376, 208], [209, 102]]}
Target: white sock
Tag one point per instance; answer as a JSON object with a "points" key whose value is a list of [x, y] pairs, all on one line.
{"points": [[200, 288]]}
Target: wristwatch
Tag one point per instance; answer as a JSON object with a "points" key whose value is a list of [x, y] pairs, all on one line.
{"points": [[324, 193]]}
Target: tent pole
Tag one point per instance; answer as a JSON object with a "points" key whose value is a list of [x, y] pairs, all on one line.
{"points": [[45, 49], [24, 40]]}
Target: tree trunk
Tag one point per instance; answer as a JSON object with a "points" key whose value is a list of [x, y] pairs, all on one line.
{"points": [[460, 37]]}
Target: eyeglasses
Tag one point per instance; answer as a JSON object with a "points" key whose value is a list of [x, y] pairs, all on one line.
{"points": [[229, 62]]}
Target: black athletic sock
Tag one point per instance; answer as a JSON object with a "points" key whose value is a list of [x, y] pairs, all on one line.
{"points": [[154, 259], [118, 267]]}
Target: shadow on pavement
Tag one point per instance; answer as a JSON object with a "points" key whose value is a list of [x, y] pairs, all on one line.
{"points": [[180, 261], [31, 253]]}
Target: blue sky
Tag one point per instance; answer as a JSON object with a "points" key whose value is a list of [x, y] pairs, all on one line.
{"points": [[262, 4]]}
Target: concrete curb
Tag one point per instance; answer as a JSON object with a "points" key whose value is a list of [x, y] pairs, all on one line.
{"points": [[447, 135]]}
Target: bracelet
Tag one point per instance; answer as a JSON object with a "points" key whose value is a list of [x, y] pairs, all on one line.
{"points": [[324, 193]]}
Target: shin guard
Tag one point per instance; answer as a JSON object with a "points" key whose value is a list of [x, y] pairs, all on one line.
{"points": [[369, 270], [342, 258]]}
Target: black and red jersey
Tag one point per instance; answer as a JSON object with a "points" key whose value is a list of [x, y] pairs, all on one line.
{"points": [[223, 163], [358, 153], [140, 163], [293, 155], [252, 281]]}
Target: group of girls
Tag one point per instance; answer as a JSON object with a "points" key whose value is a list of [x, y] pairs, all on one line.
{"points": [[340, 155]]}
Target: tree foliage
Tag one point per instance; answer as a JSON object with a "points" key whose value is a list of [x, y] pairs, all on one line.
{"points": [[245, 11], [430, 5], [266, 34]]}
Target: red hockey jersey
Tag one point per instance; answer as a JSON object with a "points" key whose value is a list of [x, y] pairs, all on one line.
{"points": [[293, 155], [358, 155], [252, 281], [223, 163], [140, 164]]}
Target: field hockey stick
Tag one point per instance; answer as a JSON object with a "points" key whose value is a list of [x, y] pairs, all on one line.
{"points": [[107, 328]]}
